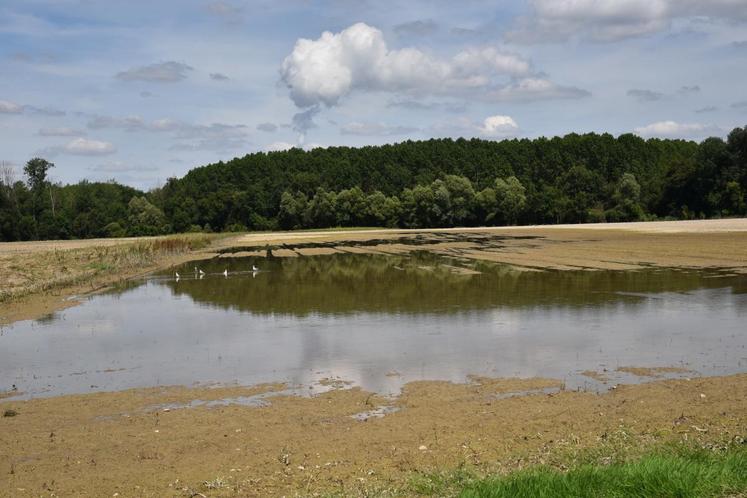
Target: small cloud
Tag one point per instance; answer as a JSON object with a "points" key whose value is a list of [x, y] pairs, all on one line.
{"points": [[304, 121], [534, 89], [499, 126], [279, 146], [496, 126], [129, 123], [267, 127], [703, 110], [672, 129], [40, 58], [686, 90], [219, 77], [44, 111], [422, 27], [7, 107], [375, 129], [226, 10], [85, 147], [163, 72], [60, 132], [417, 105], [739, 105], [457, 31], [645, 95]]}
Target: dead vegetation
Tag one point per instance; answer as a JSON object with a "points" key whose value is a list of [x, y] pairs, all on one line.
{"points": [[35, 280]]}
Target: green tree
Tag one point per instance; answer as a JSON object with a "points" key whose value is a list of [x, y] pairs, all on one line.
{"points": [[321, 210], [350, 207], [486, 204], [510, 196], [145, 218], [292, 209], [36, 172], [627, 197]]}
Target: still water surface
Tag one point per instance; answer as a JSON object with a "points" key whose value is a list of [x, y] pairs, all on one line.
{"points": [[378, 321]]}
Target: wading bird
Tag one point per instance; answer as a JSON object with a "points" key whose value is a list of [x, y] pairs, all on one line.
{"points": [[225, 273], [176, 273], [254, 268]]}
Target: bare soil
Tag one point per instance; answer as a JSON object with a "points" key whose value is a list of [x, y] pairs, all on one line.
{"points": [[134, 444], [621, 246]]}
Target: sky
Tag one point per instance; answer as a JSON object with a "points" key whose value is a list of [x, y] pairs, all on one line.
{"points": [[141, 91]]}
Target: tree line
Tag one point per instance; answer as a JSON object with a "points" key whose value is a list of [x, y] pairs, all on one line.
{"points": [[434, 183]]}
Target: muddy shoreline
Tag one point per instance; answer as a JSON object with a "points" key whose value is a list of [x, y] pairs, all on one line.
{"points": [[133, 444]]}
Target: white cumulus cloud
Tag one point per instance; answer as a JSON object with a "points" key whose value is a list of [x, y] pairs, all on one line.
{"points": [[499, 126], [324, 70], [672, 129], [86, 147]]}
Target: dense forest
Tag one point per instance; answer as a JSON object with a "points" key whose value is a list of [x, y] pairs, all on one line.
{"points": [[433, 183]]}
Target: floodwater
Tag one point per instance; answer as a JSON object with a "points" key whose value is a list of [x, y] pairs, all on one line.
{"points": [[379, 322]]}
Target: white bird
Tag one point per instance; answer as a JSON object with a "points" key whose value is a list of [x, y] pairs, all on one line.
{"points": [[225, 273], [202, 273], [254, 268], [177, 275]]}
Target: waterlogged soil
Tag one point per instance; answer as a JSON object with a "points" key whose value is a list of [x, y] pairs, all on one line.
{"points": [[686, 244], [128, 443]]}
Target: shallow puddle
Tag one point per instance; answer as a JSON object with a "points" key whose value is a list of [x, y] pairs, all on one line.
{"points": [[360, 317]]}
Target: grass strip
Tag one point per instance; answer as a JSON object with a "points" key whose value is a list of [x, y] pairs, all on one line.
{"points": [[681, 474]]}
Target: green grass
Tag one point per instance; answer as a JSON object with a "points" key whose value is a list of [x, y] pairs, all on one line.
{"points": [[680, 474]]}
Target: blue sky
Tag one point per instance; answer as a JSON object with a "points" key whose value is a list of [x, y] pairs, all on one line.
{"points": [[140, 91]]}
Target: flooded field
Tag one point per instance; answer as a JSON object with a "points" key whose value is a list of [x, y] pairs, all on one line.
{"points": [[379, 322]]}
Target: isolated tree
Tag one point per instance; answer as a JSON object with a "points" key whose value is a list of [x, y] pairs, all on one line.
{"points": [[36, 172]]}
